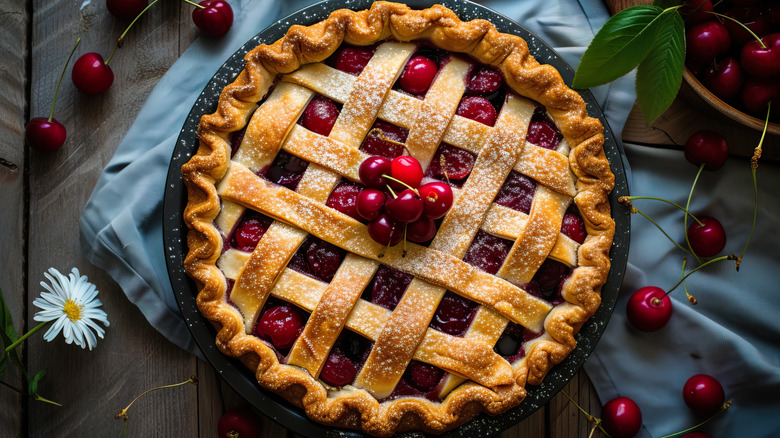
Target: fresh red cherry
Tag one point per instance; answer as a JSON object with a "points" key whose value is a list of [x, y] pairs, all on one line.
{"points": [[437, 199], [281, 325], [621, 418], [214, 18], [757, 93], [372, 169], [696, 435], [407, 169], [370, 203], [320, 115], [421, 230], [91, 75], [649, 309], [708, 148], [353, 60], [707, 40], [477, 108], [407, 207], [762, 62], [418, 75], [484, 80], [698, 12], [44, 134], [238, 423], [703, 394], [385, 230], [573, 225], [707, 239], [424, 376], [752, 18], [724, 78], [338, 370], [126, 9]]}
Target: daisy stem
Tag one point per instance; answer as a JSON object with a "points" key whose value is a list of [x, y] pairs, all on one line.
{"points": [[25, 336], [45, 400], [687, 207], [664, 200], [37, 397]]}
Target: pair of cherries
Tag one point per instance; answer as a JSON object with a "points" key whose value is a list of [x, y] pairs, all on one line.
{"points": [[410, 209]]}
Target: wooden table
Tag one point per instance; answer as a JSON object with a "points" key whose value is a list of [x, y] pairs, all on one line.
{"points": [[42, 195]]}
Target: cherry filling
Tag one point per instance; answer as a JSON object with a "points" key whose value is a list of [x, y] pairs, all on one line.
{"points": [[487, 252], [280, 324], [542, 130], [235, 141], [352, 60], [345, 359], [387, 287], [286, 170], [517, 192], [484, 80], [344, 198], [317, 258], [418, 75], [477, 108], [320, 115], [454, 314], [510, 344], [548, 281], [374, 144], [573, 225], [453, 163], [249, 230]]}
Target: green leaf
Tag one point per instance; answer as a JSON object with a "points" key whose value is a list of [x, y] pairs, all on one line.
{"points": [[32, 383], [620, 45], [659, 75], [665, 4]]}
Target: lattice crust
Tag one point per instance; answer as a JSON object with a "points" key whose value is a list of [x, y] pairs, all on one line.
{"points": [[219, 192]]}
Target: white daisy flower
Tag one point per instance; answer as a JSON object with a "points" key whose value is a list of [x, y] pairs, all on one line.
{"points": [[72, 303]]}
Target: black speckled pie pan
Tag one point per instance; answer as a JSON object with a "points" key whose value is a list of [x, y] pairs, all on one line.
{"points": [[240, 377]]}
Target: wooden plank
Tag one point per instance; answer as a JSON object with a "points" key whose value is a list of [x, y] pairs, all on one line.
{"points": [[565, 419], [95, 385], [532, 427], [13, 32]]}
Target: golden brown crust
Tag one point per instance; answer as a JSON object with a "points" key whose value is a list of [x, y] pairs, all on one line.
{"points": [[302, 45]]}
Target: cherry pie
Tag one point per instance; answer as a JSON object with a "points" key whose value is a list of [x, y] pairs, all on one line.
{"points": [[398, 336]]}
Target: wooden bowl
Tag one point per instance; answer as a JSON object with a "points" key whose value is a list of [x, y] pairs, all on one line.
{"points": [[726, 109]]}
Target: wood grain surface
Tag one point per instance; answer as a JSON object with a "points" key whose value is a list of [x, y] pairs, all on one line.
{"points": [[43, 194]]}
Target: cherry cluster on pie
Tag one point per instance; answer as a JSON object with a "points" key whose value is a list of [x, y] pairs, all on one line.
{"points": [[398, 219]]}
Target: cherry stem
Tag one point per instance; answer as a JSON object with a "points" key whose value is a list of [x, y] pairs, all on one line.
{"points": [[687, 207], [123, 413], [723, 408], [628, 198], [691, 298], [596, 421], [636, 210], [379, 133], [59, 81], [194, 4], [399, 182], [120, 40], [443, 165], [708, 262], [25, 336], [753, 168], [763, 46]]}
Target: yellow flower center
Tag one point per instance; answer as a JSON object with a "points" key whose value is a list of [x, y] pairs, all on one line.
{"points": [[72, 310]]}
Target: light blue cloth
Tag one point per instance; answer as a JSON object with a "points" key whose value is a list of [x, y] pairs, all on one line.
{"points": [[122, 233]]}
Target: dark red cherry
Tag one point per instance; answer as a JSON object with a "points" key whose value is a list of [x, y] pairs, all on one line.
{"points": [[385, 230], [707, 40], [388, 286], [550, 277], [407, 169], [487, 252], [703, 394], [280, 325], [418, 75], [697, 11], [91, 75], [573, 225], [370, 203], [248, 233], [338, 369], [320, 115], [407, 207], [706, 240], [724, 78], [477, 108], [649, 309], [544, 133], [421, 230], [45, 135], [762, 62], [451, 163], [708, 148], [286, 170], [752, 18], [344, 199], [238, 423], [372, 169], [424, 376], [484, 80], [621, 417], [323, 259], [454, 314], [215, 17], [353, 59], [126, 9], [437, 199], [374, 144], [757, 93], [517, 192]]}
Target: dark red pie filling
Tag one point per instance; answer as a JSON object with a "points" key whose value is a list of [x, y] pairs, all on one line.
{"points": [[320, 115], [454, 314], [248, 231], [346, 358], [510, 344], [419, 380], [387, 287], [286, 170], [517, 192], [351, 59], [573, 225], [451, 164], [548, 281], [487, 252], [280, 323], [374, 144], [542, 131], [317, 258], [235, 141], [344, 198]]}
